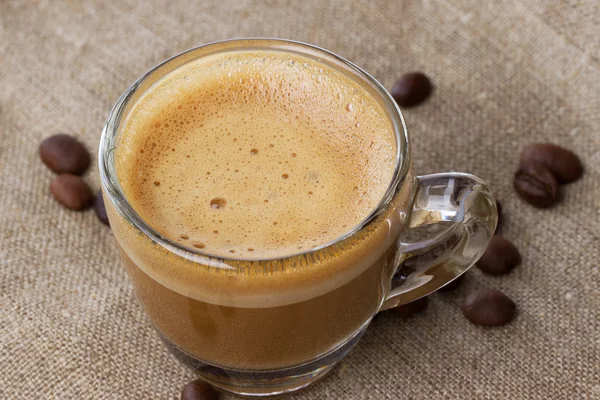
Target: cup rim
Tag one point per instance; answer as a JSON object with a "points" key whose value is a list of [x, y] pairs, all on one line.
{"points": [[108, 144]]}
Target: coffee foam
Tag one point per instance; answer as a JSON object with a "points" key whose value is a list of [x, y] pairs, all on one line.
{"points": [[254, 155]]}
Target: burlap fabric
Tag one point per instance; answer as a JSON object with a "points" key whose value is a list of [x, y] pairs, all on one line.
{"points": [[506, 74]]}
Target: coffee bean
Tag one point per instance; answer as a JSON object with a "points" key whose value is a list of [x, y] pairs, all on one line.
{"points": [[199, 390], [565, 165], [62, 153], [414, 307], [455, 284], [500, 257], [489, 307], [536, 184], [72, 192], [100, 208], [411, 89]]}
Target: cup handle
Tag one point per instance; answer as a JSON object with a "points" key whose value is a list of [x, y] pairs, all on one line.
{"points": [[453, 219]]}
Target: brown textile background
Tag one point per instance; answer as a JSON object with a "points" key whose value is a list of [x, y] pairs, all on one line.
{"points": [[506, 73]]}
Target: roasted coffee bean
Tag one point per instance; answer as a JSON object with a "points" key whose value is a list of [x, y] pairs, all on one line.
{"points": [[536, 184], [500, 257], [62, 153], [565, 165], [414, 307], [489, 307], [455, 284], [411, 89], [72, 192], [100, 209], [199, 390]]}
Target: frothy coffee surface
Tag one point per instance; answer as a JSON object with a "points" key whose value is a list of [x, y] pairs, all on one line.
{"points": [[255, 154]]}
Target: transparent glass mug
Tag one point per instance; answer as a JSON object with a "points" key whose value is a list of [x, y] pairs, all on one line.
{"points": [[249, 338]]}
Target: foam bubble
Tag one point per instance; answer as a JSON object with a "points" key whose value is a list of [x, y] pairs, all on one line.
{"points": [[218, 203]]}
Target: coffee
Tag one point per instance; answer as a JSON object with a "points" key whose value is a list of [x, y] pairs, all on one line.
{"points": [[255, 155], [259, 158]]}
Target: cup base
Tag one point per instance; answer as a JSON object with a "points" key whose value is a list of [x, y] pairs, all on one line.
{"points": [[266, 382]]}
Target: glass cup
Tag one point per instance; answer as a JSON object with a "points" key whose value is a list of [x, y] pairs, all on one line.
{"points": [[251, 339]]}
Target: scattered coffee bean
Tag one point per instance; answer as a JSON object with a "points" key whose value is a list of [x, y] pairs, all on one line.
{"points": [[500, 257], [62, 153], [71, 191], [411, 89], [414, 307], [536, 184], [453, 285], [489, 307], [565, 165], [100, 208], [199, 390]]}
